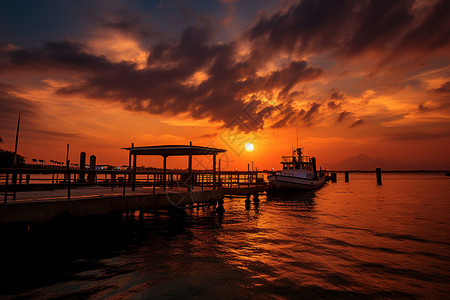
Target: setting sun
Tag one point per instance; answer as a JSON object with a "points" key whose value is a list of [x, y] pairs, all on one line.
{"points": [[249, 147]]}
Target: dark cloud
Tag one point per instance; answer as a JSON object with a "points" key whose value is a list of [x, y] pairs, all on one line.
{"points": [[333, 105], [444, 89], [337, 96], [62, 56], [312, 112], [432, 33], [352, 27], [343, 116], [165, 86], [428, 106], [357, 123]]}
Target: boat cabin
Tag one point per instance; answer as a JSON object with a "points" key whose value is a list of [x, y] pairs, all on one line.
{"points": [[297, 161]]}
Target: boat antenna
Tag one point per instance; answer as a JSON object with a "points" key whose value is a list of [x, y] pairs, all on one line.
{"points": [[297, 137]]}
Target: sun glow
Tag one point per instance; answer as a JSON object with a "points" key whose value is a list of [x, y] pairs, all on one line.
{"points": [[249, 147]]}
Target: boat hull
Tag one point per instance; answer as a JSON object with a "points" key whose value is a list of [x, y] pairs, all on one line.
{"points": [[285, 182]]}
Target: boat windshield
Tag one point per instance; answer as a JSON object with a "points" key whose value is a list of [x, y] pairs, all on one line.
{"points": [[296, 163]]}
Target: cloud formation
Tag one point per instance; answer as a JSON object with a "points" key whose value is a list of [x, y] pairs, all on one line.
{"points": [[164, 87], [353, 27], [218, 80]]}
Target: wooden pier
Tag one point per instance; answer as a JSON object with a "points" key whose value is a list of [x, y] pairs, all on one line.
{"points": [[42, 195]]}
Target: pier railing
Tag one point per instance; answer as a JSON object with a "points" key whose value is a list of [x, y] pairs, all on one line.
{"points": [[17, 180]]}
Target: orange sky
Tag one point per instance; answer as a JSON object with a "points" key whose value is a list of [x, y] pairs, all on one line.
{"points": [[362, 77]]}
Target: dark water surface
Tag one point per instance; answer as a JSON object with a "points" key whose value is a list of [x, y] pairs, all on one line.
{"points": [[347, 240]]}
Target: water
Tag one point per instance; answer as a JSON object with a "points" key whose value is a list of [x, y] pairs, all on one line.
{"points": [[347, 240]]}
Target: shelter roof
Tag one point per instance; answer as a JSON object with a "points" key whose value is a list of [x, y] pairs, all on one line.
{"points": [[174, 150]]}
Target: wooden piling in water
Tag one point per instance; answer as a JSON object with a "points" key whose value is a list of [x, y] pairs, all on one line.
{"points": [[378, 171], [82, 166]]}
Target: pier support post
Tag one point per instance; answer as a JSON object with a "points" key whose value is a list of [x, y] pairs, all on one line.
{"points": [[165, 172], [378, 171], [247, 201], [346, 176], [255, 197], [189, 181]]}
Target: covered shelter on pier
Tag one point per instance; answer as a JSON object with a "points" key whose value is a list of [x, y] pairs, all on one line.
{"points": [[173, 150]]}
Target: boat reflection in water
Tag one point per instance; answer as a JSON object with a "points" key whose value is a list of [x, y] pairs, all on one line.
{"points": [[305, 198]]}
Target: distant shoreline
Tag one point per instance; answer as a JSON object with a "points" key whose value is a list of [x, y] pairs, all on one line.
{"points": [[389, 171]]}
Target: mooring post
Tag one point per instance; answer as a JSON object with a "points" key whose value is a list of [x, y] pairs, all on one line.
{"points": [[378, 171], [82, 165], [346, 176], [92, 162]]}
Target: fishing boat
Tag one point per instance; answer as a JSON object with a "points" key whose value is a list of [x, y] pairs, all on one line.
{"points": [[299, 173]]}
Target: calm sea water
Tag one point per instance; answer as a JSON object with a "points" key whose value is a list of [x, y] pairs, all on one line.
{"points": [[347, 240]]}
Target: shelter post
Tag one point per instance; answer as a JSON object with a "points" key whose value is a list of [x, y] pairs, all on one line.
{"points": [[219, 182], [214, 171], [189, 181], [133, 186], [129, 162]]}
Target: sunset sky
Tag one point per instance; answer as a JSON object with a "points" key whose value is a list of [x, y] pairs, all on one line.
{"points": [[353, 77]]}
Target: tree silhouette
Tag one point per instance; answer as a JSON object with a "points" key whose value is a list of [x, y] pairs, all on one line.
{"points": [[7, 158]]}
